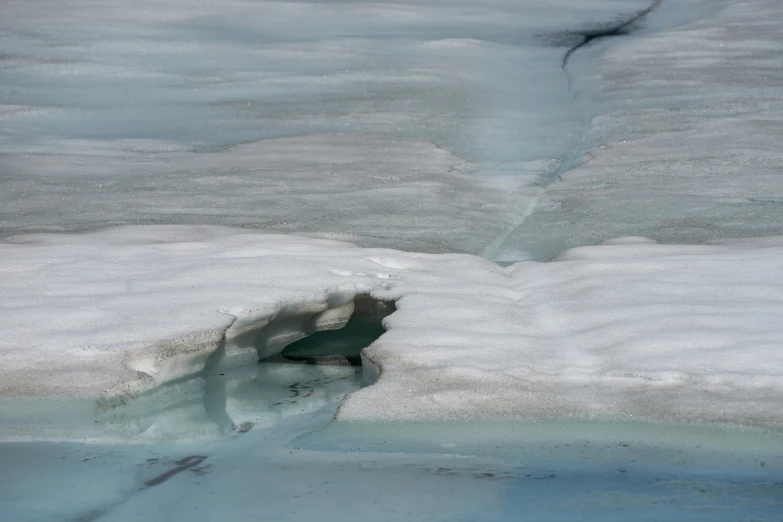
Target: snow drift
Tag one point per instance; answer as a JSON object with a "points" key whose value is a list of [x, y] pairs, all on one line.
{"points": [[630, 329]]}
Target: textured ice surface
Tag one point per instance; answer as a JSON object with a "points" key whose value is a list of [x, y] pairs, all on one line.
{"points": [[325, 118], [174, 122], [683, 140], [365, 189], [624, 330], [423, 125]]}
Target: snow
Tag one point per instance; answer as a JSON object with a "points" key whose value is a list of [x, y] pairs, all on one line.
{"points": [[627, 330], [443, 142], [633, 330]]}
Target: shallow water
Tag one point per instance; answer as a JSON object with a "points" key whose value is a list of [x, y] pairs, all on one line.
{"points": [[271, 452], [446, 473]]}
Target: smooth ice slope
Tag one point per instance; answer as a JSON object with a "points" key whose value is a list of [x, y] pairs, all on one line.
{"points": [[684, 138], [630, 329]]}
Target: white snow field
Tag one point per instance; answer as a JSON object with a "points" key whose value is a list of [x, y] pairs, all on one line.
{"points": [[187, 188]]}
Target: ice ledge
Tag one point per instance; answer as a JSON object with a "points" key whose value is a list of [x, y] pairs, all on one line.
{"points": [[629, 329]]}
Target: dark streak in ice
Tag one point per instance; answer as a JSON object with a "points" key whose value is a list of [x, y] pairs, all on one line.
{"points": [[182, 465], [621, 29]]}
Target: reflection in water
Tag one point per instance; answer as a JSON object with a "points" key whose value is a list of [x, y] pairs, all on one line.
{"points": [[311, 373], [278, 389], [459, 472], [256, 440], [317, 370]]}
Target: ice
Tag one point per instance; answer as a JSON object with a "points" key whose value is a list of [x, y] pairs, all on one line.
{"points": [[628, 330], [335, 186], [140, 317], [639, 378], [302, 117], [328, 118], [557, 390], [682, 144]]}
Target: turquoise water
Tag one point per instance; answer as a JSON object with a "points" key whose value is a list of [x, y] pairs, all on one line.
{"points": [[259, 443], [276, 456], [390, 472]]}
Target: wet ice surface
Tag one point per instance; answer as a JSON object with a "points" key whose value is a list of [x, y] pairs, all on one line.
{"points": [[328, 118], [246, 439], [428, 127], [682, 141]]}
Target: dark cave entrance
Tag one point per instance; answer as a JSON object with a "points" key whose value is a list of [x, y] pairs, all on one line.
{"points": [[343, 346]]}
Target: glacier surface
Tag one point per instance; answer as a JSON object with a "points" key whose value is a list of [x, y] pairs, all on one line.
{"points": [[426, 126], [628, 329], [682, 141], [635, 374]]}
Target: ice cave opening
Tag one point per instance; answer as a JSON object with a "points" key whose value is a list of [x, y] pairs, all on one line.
{"points": [[311, 373], [303, 360], [344, 345]]}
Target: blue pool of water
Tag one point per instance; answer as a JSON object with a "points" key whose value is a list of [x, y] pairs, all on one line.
{"points": [[301, 467]]}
